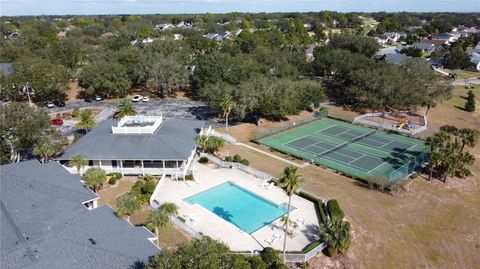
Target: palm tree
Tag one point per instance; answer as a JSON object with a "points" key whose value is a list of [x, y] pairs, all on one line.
{"points": [[95, 177], [44, 151], [125, 108], [290, 183], [159, 217], [86, 120], [127, 204], [227, 105], [78, 161], [336, 233], [470, 137], [450, 129], [436, 143]]}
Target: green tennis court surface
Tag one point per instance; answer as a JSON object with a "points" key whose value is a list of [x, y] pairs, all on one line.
{"points": [[351, 149]]}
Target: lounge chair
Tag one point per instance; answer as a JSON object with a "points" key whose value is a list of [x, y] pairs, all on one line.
{"points": [[301, 220], [271, 241], [189, 183], [270, 185]]}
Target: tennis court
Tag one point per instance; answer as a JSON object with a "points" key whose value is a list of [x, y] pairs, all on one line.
{"points": [[354, 150]]}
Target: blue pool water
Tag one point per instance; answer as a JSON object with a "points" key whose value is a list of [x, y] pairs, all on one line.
{"points": [[238, 206]]}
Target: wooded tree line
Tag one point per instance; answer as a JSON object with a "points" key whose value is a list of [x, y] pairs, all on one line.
{"points": [[364, 83]]}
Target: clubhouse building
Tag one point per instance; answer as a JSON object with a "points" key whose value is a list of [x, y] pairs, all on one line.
{"points": [[138, 145]]}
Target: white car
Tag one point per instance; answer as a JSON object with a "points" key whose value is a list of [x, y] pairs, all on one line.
{"points": [[50, 105], [137, 98], [97, 98], [146, 98]]}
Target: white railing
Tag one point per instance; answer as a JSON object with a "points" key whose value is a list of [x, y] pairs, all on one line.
{"points": [[239, 166], [122, 129], [132, 170], [292, 257], [182, 225]]}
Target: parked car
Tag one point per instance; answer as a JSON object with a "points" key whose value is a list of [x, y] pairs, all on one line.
{"points": [[59, 103], [50, 105], [56, 122], [146, 98], [97, 98], [137, 98]]}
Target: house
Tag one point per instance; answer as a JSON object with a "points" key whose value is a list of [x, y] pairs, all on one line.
{"points": [[218, 36], [445, 36], [395, 58], [475, 58], [438, 43], [388, 37], [425, 47], [164, 26], [475, 49], [139, 145], [46, 223], [62, 34]]}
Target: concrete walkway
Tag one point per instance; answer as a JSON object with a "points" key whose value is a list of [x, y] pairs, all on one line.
{"points": [[303, 165]]}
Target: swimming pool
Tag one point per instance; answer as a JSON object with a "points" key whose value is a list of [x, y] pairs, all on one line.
{"points": [[238, 206]]}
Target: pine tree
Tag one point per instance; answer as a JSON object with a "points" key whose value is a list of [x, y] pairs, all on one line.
{"points": [[470, 104]]}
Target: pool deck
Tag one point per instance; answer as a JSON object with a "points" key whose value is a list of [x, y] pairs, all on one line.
{"points": [[202, 220]]}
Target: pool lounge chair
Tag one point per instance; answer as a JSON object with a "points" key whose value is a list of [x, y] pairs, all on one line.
{"points": [[189, 183], [301, 220], [270, 185]]}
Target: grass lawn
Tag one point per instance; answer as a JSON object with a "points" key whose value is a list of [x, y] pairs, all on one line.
{"points": [[461, 74], [432, 225]]}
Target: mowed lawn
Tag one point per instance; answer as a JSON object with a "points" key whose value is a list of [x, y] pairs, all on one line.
{"points": [[428, 226]]}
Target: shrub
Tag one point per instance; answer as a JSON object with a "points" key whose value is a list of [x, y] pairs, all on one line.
{"points": [[76, 137], [229, 159], [148, 188], [76, 112], [203, 160], [330, 251], [257, 263], [245, 162], [188, 177], [334, 209], [112, 181], [323, 213], [270, 256], [138, 184], [237, 158], [313, 245], [280, 265], [115, 175], [148, 177]]}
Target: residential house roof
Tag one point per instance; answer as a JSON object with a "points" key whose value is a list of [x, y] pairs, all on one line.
{"points": [[45, 225], [396, 58], [442, 36], [6, 68], [438, 42], [173, 140], [424, 46]]}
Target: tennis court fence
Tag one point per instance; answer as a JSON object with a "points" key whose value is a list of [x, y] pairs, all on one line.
{"points": [[290, 125], [408, 168]]}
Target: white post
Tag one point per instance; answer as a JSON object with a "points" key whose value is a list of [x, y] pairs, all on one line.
{"points": [[143, 170], [163, 162], [100, 163], [121, 168]]}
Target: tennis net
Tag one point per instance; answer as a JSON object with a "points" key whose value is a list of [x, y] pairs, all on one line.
{"points": [[360, 137]]}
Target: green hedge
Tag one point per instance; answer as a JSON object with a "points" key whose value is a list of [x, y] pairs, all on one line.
{"points": [[334, 209], [115, 175], [203, 160], [318, 204], [112, 181]]}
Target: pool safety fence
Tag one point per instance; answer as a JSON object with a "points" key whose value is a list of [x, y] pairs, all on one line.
{"points": [[291, 257], [245, 168], [189, 230]]}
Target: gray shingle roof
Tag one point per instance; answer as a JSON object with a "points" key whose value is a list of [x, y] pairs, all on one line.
{"points": [[43, 229], [396, 58], [423, 45], [174, 140]]}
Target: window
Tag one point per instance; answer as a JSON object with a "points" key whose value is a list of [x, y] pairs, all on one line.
{"points": [[114, 163]]}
